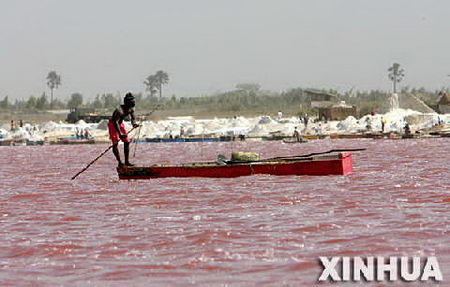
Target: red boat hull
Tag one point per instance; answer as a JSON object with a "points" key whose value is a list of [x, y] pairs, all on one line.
{"points": [[340, 164]]}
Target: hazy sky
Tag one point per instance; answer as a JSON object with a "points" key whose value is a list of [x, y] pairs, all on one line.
{"points": [[207, 46]]}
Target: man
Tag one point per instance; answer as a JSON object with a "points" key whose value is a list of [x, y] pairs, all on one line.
{"points": [[117, 130], [383, 123], [296, 135], [407, 128], [280, 115], [181, 132], [305, 121], [368, 125], [77, 133]]}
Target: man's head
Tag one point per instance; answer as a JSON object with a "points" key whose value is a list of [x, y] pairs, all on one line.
{"points": [[129, 101]]}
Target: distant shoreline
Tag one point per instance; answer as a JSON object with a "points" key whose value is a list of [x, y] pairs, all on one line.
{"points": [[45, 116]]}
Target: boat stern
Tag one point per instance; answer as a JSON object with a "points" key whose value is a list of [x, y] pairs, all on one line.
{"points": [[346, 161], [134, 172]]}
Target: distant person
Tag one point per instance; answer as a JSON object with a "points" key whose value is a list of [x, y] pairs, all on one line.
{"points": [[383, 124], [373, 112], [20, 123], [305, 121], [296, 134], [319, 128], [86, 133], [407, 129], [13, 127], [117, 130], [181, 132], [280, 115], [368, 125]]}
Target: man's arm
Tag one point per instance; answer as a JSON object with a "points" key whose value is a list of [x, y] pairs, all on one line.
{"points": [[133, 119]]}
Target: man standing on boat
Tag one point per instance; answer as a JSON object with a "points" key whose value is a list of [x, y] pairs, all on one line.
{"points": [[296, 135], [117, 130]]}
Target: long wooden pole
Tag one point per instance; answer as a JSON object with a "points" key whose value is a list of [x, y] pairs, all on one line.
{"points": [[316, 153], [103, 153], [137, 141], [140, 126]]}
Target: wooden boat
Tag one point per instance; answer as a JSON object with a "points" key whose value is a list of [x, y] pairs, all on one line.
{"points": [[273, 138], [314, 137], [331, 164], [294, 140], [410, 136], [387, 135], [13, 142], [72, 140], [35, 142], [188, 139], [346, 136], [202, 139], [172, 140], [6, 142]]}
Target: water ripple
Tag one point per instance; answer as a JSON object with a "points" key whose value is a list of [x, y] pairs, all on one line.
{"points": [[246, 231]]}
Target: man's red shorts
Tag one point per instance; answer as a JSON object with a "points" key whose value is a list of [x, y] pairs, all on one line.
{"points": [[114, 135]]}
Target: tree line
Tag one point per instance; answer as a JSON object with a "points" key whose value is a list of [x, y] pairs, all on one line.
{"points": [[245, 97], [153, 83]]}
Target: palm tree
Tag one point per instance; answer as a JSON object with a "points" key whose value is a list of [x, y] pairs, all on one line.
{"points": [[150, 84], [53, 81], [162, 78], [396, 74]]}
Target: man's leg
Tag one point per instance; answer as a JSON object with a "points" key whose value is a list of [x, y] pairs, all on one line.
{"points": [[116, 153], [126, 151]]}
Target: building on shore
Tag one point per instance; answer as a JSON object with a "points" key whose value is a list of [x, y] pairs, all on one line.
{"points": [[444, 103], [337, 112], [329, 107], [319, 99]]}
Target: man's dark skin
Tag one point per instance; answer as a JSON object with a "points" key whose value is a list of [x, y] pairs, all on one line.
{"points": [[118, 116]]}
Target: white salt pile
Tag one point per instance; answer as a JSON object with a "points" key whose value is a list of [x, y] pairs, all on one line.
{"points": [[258, 126]]}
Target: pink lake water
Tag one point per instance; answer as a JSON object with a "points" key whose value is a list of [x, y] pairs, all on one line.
{"points": [[248, 231]]}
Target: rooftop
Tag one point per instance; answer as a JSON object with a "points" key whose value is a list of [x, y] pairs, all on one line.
{"points": [[444, 99]]}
